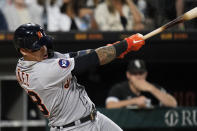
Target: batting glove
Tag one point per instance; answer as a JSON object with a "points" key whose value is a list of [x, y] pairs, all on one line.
{"points": [[135, 42]]}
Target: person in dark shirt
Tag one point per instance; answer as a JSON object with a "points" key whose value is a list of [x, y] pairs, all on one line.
{"points": [[137, 92], [3, 22], [163, 11]]}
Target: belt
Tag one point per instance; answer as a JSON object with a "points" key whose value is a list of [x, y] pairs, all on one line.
{"points": [[90, 117]]}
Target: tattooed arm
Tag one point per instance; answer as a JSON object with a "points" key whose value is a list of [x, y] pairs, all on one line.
{"points": [[106, 54]]}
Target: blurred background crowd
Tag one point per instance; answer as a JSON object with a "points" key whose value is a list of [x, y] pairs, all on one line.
{"points": [[85, 15]]}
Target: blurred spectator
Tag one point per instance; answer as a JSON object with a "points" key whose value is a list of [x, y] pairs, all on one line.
{"points": [[17, 13], [86, 13], [163, 11], [141, 4], [2, 3], [118, 15], [72, 15], [93, 3], [3, 23], [42, 4], [55, 21], [36, 10], [137, 91], [78, 16], [70, 10], [190, 4]]}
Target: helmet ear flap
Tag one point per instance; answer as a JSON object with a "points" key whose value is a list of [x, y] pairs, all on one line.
{"points": [[50, 53], [49, 46], [18, 43], [47, 40]]}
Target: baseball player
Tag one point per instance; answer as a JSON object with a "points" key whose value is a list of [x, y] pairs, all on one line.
{"points": [[49, 78]]}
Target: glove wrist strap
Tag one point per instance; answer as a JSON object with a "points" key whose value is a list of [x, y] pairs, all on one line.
{"points": [[121, 47]]}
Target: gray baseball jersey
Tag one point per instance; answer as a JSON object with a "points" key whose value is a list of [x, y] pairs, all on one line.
{"points": [[52, 87]]}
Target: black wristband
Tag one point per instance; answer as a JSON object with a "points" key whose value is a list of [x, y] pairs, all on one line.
{"points": [[120, 47]]}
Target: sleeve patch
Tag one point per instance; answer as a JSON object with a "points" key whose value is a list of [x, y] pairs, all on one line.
{"points": [[64, 63]]}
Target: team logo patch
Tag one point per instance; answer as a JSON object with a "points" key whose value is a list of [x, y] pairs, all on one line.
{"points": [[64, 63]]}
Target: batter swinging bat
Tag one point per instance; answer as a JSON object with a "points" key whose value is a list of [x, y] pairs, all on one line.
{"points": [[185, 17]]}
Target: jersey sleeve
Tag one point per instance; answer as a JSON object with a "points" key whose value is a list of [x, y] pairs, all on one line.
{"points": [[54, 71], [67, 55], [114, 95]]}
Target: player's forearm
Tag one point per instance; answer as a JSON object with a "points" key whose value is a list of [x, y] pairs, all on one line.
{"points": [[106, 54], [179, 7], [120, 104], [165, 98]]}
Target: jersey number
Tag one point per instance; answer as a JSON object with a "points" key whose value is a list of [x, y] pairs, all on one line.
{"points": [[36, 99], [23, 77]]}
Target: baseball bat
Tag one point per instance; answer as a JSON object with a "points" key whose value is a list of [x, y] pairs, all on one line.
{"points": [[185, 17]]}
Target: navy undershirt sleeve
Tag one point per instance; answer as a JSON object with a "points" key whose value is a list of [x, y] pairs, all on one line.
{"points": [[85, 62]]}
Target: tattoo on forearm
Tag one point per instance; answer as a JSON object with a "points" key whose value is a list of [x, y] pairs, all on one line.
{"points": [[106, 54]]}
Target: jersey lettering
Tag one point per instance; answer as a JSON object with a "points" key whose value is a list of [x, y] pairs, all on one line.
{"points": [[67, 84], [36, 99], [23, 77]]}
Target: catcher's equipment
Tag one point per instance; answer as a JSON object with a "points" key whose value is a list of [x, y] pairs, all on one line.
{"points": [[32, 36]]}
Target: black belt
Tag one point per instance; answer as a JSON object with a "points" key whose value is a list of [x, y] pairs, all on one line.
{"points": [[90, 117]]}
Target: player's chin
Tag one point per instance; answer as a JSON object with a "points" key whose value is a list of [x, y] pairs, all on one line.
{"points": [[41, 58], [45, 56]]}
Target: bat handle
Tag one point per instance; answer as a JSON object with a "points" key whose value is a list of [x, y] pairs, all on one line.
{"points": [[187, 16], [152, 33]]}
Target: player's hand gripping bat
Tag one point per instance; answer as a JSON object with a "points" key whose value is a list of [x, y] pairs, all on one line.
{"points": [[185, 17]]}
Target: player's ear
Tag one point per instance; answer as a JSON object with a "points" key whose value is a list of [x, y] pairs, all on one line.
{"points": [[23, 51], [145, 74], [128, 75]]}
